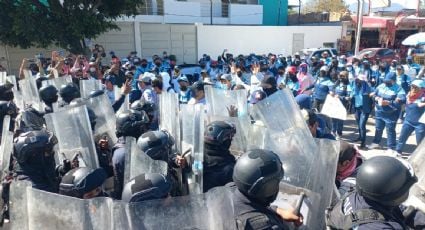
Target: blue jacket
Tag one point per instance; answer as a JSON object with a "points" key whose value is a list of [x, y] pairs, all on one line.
{"points": [[414, 112], [390, 94], [322, 87], [361, 97]]}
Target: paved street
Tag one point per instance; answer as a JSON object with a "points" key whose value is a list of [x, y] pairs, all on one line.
{"points": [[350, 133]]}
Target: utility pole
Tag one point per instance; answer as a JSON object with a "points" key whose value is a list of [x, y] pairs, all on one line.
{"points": [[211, 12], [359, 26]]}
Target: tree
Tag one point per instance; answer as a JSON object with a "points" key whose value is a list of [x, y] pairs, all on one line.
{"points": [[65, 23], [325, 6]]}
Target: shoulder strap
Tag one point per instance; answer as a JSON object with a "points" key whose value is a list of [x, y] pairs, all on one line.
{"points": [[362, 216]]}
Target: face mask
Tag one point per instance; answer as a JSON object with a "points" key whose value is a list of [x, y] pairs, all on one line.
{"points": [[239, 73], [388, 84], [202, 66], [281, 73], [183, 88], [144, 65], [92, 69], [374, 68], [158, 63]]}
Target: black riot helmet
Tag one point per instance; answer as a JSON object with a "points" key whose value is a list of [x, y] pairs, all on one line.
{"points": [[48, 94], [257, 174], [34, 144], [219, 133], [29, 119], [386, 180], [148, 107], [6, 93], [131, 123], [80, 181], [8, 108], [156, 144], [69, 92], [147, 186]]}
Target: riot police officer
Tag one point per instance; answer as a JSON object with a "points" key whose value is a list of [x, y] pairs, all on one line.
{"points": [[68, 93], [129, 124], [218, 161], [34, 159], [147, 186], [382, 185], [6, 93], [256, 175], [49, 95], [83, 183], [8, 108]]}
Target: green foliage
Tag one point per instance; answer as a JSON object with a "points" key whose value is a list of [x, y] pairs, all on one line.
{"points": [[325, 6], [27, 23]]}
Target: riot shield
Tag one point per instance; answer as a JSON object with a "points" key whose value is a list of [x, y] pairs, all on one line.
{"points": [[239, 141], [87, 86], [334, 108], [29, 92], [105, 117], [138, 162], [192, 123], [6, 146], [169, 116], [16, 93], [18, 205], [57, 82], [218, 101], [417, 192], [212, 210], [126, 105], [288, 198], [53, 211], [75, 140]]}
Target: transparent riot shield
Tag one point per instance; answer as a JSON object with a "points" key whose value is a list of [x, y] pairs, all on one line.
{"points": [[239, 141], [29, 91], [18, 205], [169, 116], [87, 86], [219, 101], [53, 211], [6, 146], [75, 139], [192, 124], [16, 93], [417, 192], [334, 108], [105, 117], [126, 105], [290, 197], [57, 82], [212, 210], [137, 162]]}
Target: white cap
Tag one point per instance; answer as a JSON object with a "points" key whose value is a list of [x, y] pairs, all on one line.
{"points": [[324, 68]]}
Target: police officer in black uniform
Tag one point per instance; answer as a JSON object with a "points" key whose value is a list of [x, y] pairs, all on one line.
{"points": [[6, 93], [68, 93], [218, 161], [83, 183], [383, 184], [256, 175], [10, 109], [147, 186], [49, 95], [34, 159], [129, 124]]}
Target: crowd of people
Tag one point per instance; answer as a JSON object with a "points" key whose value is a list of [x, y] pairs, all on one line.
{"points": [[369, 194]]}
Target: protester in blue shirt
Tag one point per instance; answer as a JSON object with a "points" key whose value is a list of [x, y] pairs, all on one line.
{"points": [[342, 90], [389, 97], [362, 105], [322, 88], [185, 91], [415, 107]]}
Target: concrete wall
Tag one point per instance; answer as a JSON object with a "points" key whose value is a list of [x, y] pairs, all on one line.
{"points": [[261, 39], [245, 14]]}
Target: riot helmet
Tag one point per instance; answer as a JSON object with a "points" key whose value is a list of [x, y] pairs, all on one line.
{"points": [[6, 93], [147, 186], [48, 94], [148, 107], [219, 133], [83, 183], [29, 119], [33, 145], [385, 180], [69, 92], [8, 108], [257, 174], [156, 144], [131, 123]]}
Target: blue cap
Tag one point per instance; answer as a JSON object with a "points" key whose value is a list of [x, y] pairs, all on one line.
{"points": [[419, 83], [183, 78], [304, 101], [390, 76]]}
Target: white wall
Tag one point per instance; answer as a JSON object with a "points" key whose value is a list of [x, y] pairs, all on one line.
{"points": [[246, 14], [261, 39], [182, 12]]}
